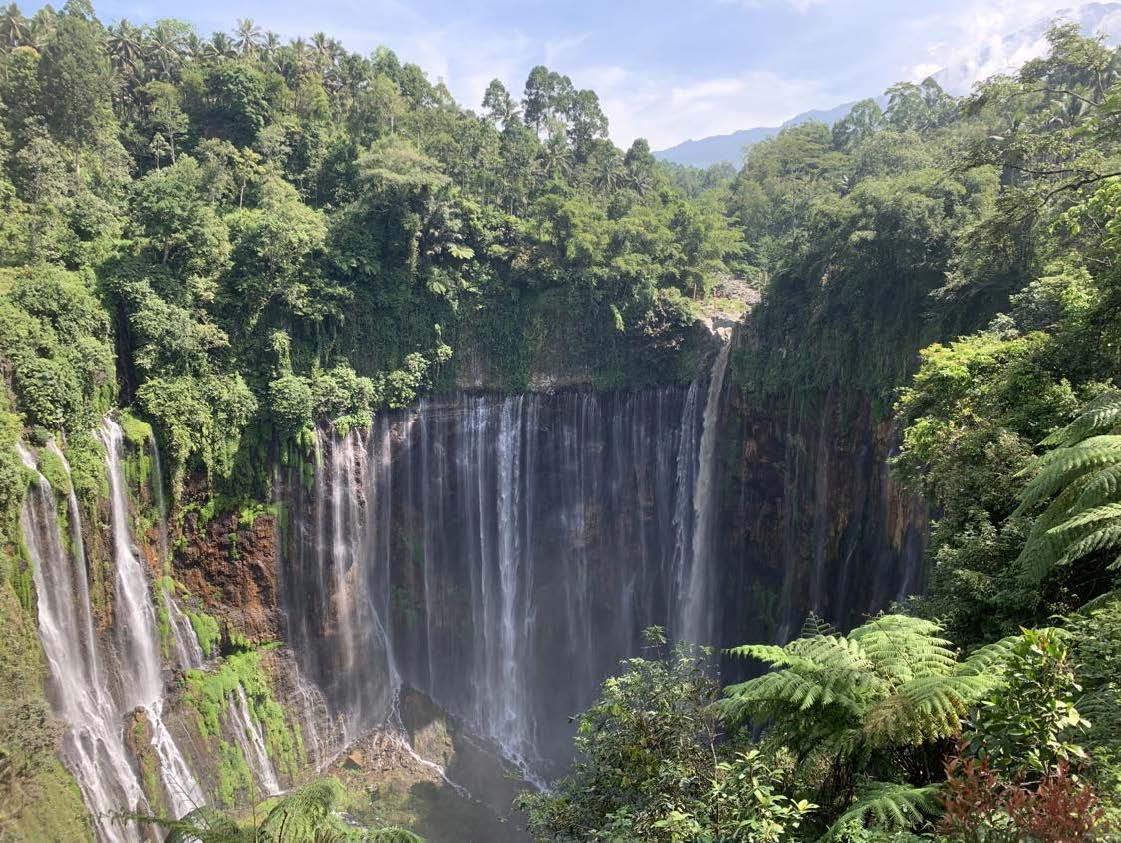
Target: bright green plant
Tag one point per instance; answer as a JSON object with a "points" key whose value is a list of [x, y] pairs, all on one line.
{"points": [[1081, 479], [1028, 725], [870, 709], [308, 815], [650, 766]]}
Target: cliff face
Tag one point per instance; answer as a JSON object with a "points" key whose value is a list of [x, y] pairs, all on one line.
{"points": [[811, 519], [497, 554], [229, 561], [476, 546]]}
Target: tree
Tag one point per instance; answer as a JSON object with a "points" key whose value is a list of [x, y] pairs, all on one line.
{"points": [[547, 94], [247, 37], [498, 105], [863, 120], [649, 766], [876, 702], [166, 115], [74, 75], [237, 106], [174, 222], [586, 121]]}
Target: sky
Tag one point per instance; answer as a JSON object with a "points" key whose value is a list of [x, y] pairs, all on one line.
{"points": [[666, 71]]}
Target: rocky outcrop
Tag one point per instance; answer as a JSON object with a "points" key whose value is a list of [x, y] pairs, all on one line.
{"points": [[229, 561]]}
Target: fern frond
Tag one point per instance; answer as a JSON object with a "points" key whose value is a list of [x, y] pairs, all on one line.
{"points": [[889, 807], [394, 835], [1101, 414], [904, 647], [1102, 486], [1059, 467], [815, 625], [988, 661], [1105, 538], [205, 825], [1094, 515], [771, 654]]}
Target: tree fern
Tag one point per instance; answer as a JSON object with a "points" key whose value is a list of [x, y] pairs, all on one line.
{"points": [[888, 807], [1081, 479], [893, 681], [1102, 413], [308, 815]]}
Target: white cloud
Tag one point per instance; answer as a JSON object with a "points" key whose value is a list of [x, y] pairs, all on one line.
{"points": [[921, 71], [986, 37], [666, 110]]}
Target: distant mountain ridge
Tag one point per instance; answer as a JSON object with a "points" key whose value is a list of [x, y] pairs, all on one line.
{"points": [[1099, 18], [718, 148]]}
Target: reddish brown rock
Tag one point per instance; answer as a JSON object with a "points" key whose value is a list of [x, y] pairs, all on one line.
{"points": [[232, 568]]}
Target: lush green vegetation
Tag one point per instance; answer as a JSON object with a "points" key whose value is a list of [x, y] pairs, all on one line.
{"points": [[279, 233], [236, 238], [891, 230], [985, 710], [309, 815]]}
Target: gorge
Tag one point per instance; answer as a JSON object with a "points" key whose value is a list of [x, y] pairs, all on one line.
{"points": [[499, 554], [376, 467]]}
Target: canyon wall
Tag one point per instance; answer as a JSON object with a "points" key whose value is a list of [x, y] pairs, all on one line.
{"points": [[498, 554]]}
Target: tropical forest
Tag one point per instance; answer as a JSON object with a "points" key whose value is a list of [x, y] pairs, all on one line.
{"points": [[382, 465]]}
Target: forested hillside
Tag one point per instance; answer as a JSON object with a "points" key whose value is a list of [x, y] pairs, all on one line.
{"points": [[241, 247], [953, 265], [283, 232]]}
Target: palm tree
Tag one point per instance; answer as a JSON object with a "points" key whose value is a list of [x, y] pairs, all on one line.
{"points": [[126, 49], [164, 50], [270, 49], [247, 37], [193, 46], [41, 29], [301, 56], [326, 51], [15, 29]]}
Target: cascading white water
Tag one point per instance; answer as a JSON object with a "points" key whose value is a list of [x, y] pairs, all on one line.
{"points": [[697, 604], [247, 733], [505, 551], [187, 652], [94, 745], [500, 554], [137, 639]]}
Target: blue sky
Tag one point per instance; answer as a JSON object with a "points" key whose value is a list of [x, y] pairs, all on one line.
{"points": [[668, 71]]}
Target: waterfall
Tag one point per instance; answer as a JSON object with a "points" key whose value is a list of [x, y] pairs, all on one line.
{"points": [[247, 733], [187, 652], [697, 607], [93, 747], [139, 664], [500, 554]]}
